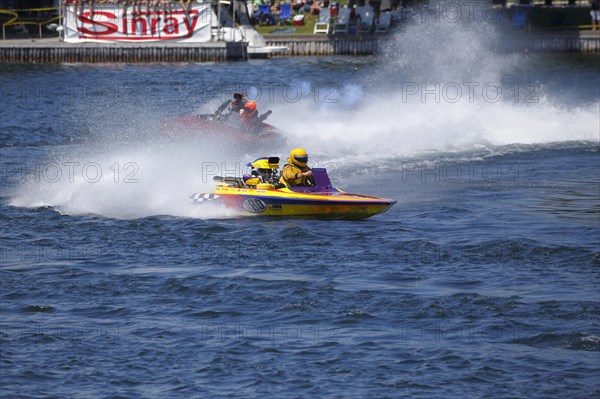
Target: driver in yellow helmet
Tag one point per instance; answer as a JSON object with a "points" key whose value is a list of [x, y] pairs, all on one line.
{"points": [[296, 172]]}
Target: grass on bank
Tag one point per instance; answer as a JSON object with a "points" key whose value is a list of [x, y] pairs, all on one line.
{"points": [[306, 29]]}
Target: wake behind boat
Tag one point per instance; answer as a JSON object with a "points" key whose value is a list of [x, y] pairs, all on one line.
{"points": [[263, 194]]}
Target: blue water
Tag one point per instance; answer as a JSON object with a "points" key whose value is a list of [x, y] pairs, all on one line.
{"points": [[482, 281]]}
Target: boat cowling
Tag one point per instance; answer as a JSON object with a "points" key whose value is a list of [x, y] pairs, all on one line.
{"points": [[322, 183]]}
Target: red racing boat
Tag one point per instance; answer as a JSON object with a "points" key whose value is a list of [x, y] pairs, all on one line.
{"points": [[226, 129]]}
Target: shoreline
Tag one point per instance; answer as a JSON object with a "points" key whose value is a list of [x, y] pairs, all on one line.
{"points": [[52, 50]]}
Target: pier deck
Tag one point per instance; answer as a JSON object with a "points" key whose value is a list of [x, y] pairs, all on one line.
{"points": [[51, 50]]}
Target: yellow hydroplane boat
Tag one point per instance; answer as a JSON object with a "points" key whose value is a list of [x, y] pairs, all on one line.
{"points": [[262, 193]]}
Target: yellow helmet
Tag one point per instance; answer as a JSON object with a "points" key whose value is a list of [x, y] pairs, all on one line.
{"points": [[299, 157]]}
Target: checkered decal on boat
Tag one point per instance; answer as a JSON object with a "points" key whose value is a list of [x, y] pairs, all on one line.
{"points": [[203, 197]]}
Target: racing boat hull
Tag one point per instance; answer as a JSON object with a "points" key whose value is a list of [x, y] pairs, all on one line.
{"points": [[284, 202], [321, 200], [230, 132]]}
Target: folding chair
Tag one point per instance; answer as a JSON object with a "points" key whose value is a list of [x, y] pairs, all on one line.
{"points": [[322, 25], [384, 22], [366, 18], [264, 14], [285, 14], [341, 25]]}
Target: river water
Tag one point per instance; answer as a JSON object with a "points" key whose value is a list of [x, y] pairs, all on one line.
{"points": [[482, 281]]}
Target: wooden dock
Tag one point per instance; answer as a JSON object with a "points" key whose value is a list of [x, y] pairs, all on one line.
{"points": [[51, 50], [555, 42], [306, 45]]}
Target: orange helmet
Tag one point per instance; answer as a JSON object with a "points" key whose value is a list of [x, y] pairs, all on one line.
{"points": [[250, 108]]}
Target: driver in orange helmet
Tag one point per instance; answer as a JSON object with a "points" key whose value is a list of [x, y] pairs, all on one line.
{"points": [[249, 116], [250, 119]]}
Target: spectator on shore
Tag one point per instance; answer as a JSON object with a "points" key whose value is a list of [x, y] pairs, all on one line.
{"points": [[255, 18], [258, 3], [166, 7], [315, 9], [276, 8], [306, 7], [134, 7], [298, 5], [595, 13], [186, 5], [79, 6]]}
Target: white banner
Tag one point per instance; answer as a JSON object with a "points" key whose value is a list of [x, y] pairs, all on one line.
{"points": [[111, 25]]}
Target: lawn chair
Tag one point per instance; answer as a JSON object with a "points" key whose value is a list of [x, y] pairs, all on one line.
{"points": [[285, 15], [264, 15], [366, 17], [384, 22], [342, 24], [322, 25]]}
